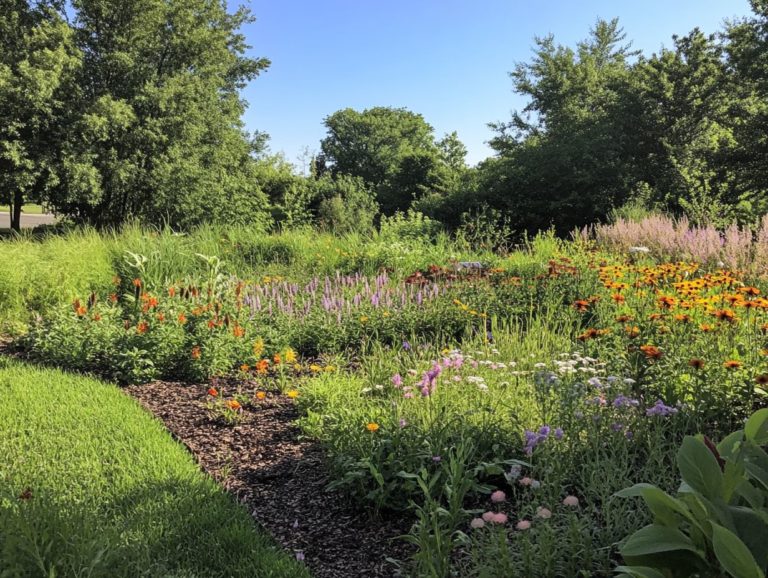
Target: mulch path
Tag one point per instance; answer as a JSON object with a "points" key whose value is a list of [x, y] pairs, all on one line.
{"points": [[282, 479]]}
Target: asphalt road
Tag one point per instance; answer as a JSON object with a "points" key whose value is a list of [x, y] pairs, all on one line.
{"points": [[27, 221]]}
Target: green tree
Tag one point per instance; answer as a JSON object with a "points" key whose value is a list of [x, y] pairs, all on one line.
{"points": [[392, 149], [154, 130], [37, 60]]}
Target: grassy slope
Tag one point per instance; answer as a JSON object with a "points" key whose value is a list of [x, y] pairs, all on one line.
{"points": [[112, 494], [28, 209]]}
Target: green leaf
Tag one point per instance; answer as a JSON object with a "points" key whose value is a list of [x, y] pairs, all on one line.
{"points": [[635, 491], [728, 446], [699, 468], [756, 429], [733, 555], [664, 507], [639, 572], [654, 539]]}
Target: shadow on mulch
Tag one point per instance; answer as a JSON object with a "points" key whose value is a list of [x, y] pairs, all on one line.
{"points": [[281, 479]]}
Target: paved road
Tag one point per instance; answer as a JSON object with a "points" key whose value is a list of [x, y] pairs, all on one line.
{"points": [[27, 221]]}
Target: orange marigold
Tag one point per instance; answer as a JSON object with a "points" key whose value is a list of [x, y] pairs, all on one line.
{"points": [[651, 351], [234, 405], [372, 427]]}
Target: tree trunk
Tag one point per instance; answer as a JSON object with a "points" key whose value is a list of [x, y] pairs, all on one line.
{"points": [[16, 202]]}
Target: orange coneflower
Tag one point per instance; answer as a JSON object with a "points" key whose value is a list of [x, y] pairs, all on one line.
{"points": [[696, 363], [651, 351], [764, 328], [82, 310], [624, 318], [581, 305], [682, 317], [632, 331], [732, 364], [618, 298], [96, 317], [706, 328], [725, 315], [590, 333], [753, 291]]}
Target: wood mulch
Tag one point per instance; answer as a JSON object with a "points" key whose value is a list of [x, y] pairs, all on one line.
{"points": [[281, 478]]}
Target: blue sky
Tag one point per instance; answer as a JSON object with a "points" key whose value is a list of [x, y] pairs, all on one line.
{"points": [[445, 59]]}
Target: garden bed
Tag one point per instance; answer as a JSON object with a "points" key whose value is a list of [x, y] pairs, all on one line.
{"points": [[281, 478]]}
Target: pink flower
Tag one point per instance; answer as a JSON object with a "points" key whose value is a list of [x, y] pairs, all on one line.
{"points": [[544, 513], [526, 481], [498, 496], [572, 501], [499, 518], [488, 516], [523, 525], [477, 523]]}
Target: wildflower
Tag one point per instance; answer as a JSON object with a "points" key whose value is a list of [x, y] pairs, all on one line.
{"points": [[651, 351], [403, 423], [329, 368], [182, 319], [293, 394], [113, 297], [300, 555], [559, 433], [81, 311], [258, 347], [437, 459], [314, 368], [142, 327], [238, 331], [262, 366], [406, 346], [477, 523], [196, 352], [137, 283], [289, 356], [696, 363], [498, 496], [245, 368], [372, 427], [725, 315], [543, 513], [277, 359], [706, 328], [499, 518], [397, 380], [660, 409], [732, 364], [234, 405], [171, 291], [526, 481], [488, 516], [571, 501], [535, 484], [213, 392], [523, 525], [260, 395]]}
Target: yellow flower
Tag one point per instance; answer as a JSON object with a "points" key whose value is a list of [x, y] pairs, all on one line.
{"points": [[258, 347], [293, 394], [330, 368], [289, 356], [260, 395], [372, 427], [314, 368], [363, 319]]}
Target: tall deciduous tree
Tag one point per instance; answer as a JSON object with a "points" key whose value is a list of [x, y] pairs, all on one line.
{"points": [[392, 149], [154, 130], [37, 60]]}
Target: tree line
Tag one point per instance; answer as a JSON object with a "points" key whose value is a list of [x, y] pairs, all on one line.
{"points": [[114, 110]]}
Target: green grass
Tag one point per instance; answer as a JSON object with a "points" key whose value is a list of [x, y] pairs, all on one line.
{"points": [[112, 493], [28, 209]]}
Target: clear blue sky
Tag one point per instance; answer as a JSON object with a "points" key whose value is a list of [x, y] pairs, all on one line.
{"points": [[445, 59]]}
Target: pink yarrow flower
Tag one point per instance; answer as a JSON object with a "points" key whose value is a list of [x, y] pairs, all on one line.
{"points": [[477, 523], [498, 496], [523, 525], [499, 518], [571, 501]]}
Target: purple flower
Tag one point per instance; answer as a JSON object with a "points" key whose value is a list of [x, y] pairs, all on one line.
{"points": [[660, 409], [437, 459], [403, 423], [559, 433], [397, 380], [406, 346]]}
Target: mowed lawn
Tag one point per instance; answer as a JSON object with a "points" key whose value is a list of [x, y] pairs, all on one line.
{"points": [[27, 209], [91, 485]]}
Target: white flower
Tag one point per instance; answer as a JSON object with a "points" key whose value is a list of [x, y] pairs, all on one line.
{"points": [[639, 250]]}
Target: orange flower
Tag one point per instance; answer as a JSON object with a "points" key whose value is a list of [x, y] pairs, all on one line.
{"points": [[277, 359], [696, 363], [137, 282], [196, 352], [245, 368], [262, 366], [81, 310], [182, 319], [234, 405], [372, 427], [682, 317], [260, 395], [632, 331], [753, 291], [732, 364], [142, 327], [651, 351], [113, 297], [213, 392], [725, 315], [590, 333], [624, 318], [706, 328], [581, 305], [97, 317], [666, 302], [238, 331], [618, 298], [171, 291], [160, 317]]}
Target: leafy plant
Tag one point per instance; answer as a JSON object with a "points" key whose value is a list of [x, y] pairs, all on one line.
{"points": [[717, 523]]}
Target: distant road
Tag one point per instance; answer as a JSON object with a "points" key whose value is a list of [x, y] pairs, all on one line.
{"points": [[27, 221]]}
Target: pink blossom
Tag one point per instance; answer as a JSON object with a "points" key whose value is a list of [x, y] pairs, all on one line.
{"points": [[526, 481], [488, 516], [498, 496], [572, 501], [543, 513], [523, 525], [499, 518], [477, 523]]}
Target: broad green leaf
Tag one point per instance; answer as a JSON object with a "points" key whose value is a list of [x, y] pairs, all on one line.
{"points": [[728, 446], [733, 555], [635, 491], [699, 468], [639, 572], [654, 539], [663, 506], [733, 476], [756, 429]]}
